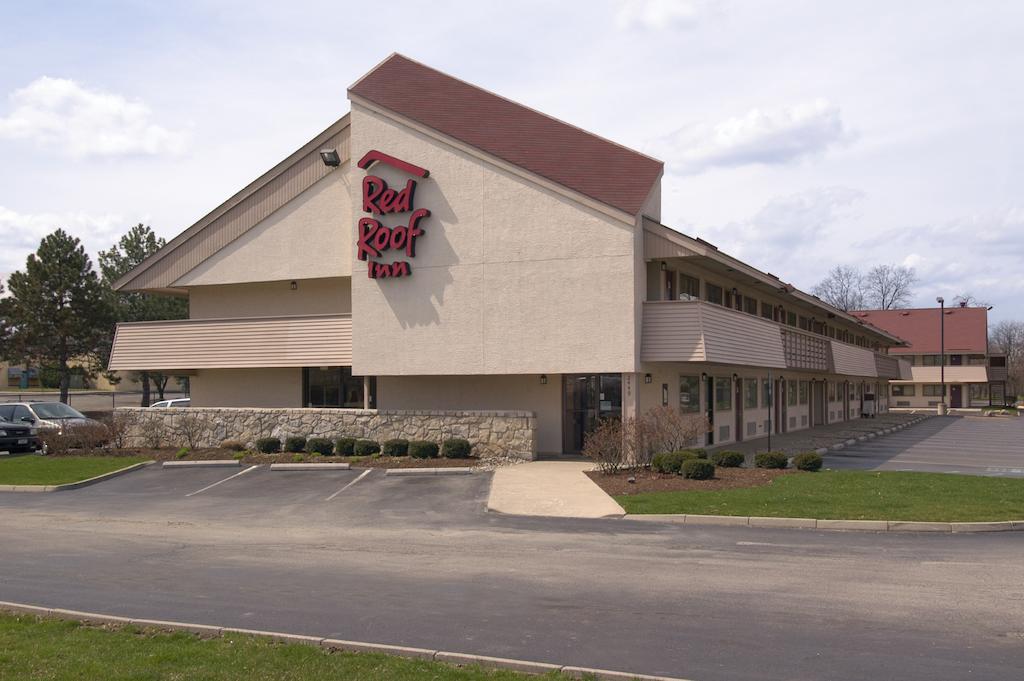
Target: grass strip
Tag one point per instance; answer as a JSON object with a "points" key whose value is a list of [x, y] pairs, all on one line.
{"points": [[33, 469]]}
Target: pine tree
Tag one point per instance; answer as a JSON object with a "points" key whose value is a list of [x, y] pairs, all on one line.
{"points": [[58, 311]]}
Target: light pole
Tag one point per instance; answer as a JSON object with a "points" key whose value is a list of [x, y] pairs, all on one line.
{"points": [[942, 352]]}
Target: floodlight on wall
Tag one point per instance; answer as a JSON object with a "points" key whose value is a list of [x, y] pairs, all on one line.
{"points": [[330, 157], [543, 379]]}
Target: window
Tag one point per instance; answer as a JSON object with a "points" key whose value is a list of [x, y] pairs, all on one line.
{"points": [[750, 305], [931, 360], [723, 394], [791, 393], [831, 391], [713, 294], [903, 390], [689, 394], [804, 323], [997, 362], [976, 360], [334, 387], [767, 311], [750, 393], [931, 390], [791, 318], [689, 287], [803, 392], [766, 393], [979, 391]]}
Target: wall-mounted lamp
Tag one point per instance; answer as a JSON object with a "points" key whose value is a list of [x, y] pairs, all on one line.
{"points": [[664, 394], [330, 158], [647, 378], [735, 292], [294, 286], [735, 377], [543, 379], [704, 378], [664, 265]]}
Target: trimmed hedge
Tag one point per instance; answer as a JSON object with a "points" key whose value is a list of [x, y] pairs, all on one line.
{"points": [[456, 448], [233, 445], [268, 445], [698, 469], [700, 452], [808, 461], [727, 459], [295, 443], [668, 462], [366, 448], [771, 460], [396, 447], [345, 446], [422, 449], [319, 445]]}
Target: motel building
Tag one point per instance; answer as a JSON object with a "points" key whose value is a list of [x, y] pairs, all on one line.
{"points": [[974, 375], [442, 248]]}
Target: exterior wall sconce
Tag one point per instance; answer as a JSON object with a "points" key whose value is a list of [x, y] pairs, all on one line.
{"points": [[543, 379], [664, 266], [294, 286], [330, 158], [735, 377], [647, 378], [735, 291], [664, 394], [704, 378]]}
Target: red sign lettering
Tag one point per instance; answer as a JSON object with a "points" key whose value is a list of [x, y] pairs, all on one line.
{"points": [[373, 237]]}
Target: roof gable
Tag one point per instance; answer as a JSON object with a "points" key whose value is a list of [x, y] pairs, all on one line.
{"points": [[576, 159]]}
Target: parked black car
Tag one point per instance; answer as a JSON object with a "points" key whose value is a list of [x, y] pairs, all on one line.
{"points": [[18, 437]]}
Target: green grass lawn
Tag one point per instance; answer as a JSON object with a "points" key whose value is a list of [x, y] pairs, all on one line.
{"points": [[33, 469], [55, 650], [853, 495]]}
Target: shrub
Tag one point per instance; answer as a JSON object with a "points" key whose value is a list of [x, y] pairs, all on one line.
{"points": [[119, 425], [345, 446], [771, 460], [268, 445], [238, 456], [190, 430], [698, 469], [668, 462], [294, 443], [88, 435], [396, 447], [153, 431], [422, 449], [808, 461], [456, 448], [366, 447], [233, 445], [727, 459], [298, 457], [671, 431], [699, 451], [603, 445], [54, 442], [319, 445], [182, 453]]}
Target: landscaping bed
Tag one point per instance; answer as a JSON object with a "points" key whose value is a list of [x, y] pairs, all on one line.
{"points": [[849, 495], [650, 481], [33, 469], [57, 650]]}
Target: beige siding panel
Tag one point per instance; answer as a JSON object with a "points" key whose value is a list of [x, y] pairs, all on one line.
{"points": [[657, 246], [224, 228], [851, 360], [317, 340], [886, 366], [906, 370], [733, 337], [997, 373], [961, 374], [671, 333]]}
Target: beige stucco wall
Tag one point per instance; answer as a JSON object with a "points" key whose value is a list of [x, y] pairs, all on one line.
{"points": [[271, 298], [247, 388], [510, 277], [306, 238], [449, 393]]}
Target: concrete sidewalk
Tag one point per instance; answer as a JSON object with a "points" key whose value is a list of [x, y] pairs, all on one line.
{"points": [[550, 488]]}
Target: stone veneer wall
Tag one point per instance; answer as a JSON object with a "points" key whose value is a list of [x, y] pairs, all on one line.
{"points": [[493, 434]]}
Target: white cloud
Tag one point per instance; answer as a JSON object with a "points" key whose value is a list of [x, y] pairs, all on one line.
{"points": [[60, 114], [764, 136], [22, 233], [658, 15]]}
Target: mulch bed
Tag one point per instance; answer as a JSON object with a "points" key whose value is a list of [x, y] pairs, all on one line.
{"points": [[211, 453], [649, 481]]}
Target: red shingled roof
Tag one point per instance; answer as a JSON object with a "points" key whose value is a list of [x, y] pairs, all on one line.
{"points": [[612, 174], [966, 328]]}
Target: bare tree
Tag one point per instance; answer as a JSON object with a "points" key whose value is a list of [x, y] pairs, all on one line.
{"points": [[888, 287], [968, 299], [842, 288], [1008, 337]]}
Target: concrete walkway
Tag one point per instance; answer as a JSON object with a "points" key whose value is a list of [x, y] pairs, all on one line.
{"points": [[809, 439], [550, 488]]}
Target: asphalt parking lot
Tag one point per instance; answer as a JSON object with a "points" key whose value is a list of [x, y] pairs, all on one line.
{"points": [[974, 445]]}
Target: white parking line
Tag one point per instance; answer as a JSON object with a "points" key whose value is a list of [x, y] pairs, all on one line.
{"points": [[361, 476], [190, 494]]}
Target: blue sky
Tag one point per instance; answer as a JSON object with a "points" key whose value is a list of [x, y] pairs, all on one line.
{"points": [[797, 135]]}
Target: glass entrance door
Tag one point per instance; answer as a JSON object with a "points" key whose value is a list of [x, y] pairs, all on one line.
{"points": [[587, 398]]}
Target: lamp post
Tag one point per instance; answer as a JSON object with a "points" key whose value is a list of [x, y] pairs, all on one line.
{"points": [[942, 352]]}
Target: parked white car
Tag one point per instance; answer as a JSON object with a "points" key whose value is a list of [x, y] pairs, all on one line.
{"points": [[179, 402]]}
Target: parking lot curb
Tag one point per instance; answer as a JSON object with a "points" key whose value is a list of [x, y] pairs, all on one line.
{"points": [[428, 471], [829, 524], [75, 485], [446, 657], [211, 463], [310, 466]]}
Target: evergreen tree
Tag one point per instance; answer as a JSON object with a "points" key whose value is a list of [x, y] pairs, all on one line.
{"points": [[138, 244], [57, 312]]}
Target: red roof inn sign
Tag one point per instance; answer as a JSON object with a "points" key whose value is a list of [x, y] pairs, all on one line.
{"points": [[379, 199]]}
